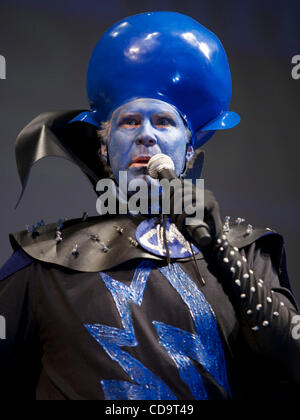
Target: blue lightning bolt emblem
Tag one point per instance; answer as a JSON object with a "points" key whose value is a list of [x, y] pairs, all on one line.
{"points": [[182, 347], [147, 386], [204, 347]]}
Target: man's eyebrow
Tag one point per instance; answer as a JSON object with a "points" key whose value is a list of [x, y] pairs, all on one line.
{"points": [[165, 114]]}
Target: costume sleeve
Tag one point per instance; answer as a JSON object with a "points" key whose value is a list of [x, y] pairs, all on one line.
{"points": [[258, 281], [18, 349]]}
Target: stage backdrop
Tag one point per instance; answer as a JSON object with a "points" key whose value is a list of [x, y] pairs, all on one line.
{"points": [[253, 169]]}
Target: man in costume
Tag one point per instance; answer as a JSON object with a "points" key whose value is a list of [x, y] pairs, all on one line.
{"points": [[127, 306]]}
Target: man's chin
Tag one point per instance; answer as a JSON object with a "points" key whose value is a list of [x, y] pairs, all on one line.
{"points": [[141, 175], [135, 172]]}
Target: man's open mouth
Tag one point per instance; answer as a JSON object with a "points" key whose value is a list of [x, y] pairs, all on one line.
{"points": [[139, 161]]}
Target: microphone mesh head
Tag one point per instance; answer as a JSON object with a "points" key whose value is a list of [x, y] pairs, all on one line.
{"points": [[159, 162]]}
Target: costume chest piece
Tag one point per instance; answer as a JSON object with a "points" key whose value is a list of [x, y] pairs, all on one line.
{"points": [[150, 236]]}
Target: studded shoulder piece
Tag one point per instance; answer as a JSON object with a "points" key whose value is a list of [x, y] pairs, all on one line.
{"points": [[87, 244], [91, 244], [240, 234]]}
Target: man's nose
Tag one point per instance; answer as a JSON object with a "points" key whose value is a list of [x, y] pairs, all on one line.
{"points": [[146, 136]]}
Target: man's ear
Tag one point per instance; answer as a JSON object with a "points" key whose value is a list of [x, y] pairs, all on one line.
{"points": [[189, 153], [103, 150]]}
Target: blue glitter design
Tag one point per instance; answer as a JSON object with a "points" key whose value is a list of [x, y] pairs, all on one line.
{"points": [[183, 347], [149, 236], [147, 386], [205, 347]]}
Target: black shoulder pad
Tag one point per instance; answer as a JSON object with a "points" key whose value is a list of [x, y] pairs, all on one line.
{"points": [[91, 245], [241, 234], [271, 242]]}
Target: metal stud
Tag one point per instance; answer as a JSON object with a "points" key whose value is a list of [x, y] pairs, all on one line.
{"points": [[281, 304], [232, 269], [239, 220], [260, 285], [95, 237], [104, 247], [119, 229], [232, 253], [249, 230], [33, 229], [85, 216], [242, 296], [221, 249], [252, 289], [246, 276], [269, 300], [238, 263], [238, 282], [244, 259], [226, 260], [224, 237], [249, 312], [60, 224], [132, 241], [75, 251], [256, 328], [258, 307], [58, 236], [251, 272], [265, 323], [236, 249], [219, 241], [226, 227], [276, 314]]}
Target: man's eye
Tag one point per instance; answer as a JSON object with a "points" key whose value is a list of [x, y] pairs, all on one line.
{"points": [[129, 122], [163, 121]]}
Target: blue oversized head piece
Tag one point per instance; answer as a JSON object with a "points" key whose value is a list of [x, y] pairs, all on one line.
{"points": [[159, 55], [167, 56]]}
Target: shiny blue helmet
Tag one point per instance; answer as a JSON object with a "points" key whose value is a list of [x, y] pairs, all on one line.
{"points": [[167, 56]]}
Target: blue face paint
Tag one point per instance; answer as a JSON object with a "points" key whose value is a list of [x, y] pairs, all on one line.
{"points": [[142, 128]]}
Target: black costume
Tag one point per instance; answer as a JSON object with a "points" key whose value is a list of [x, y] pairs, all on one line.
{"points": [[107, 318], [69, 336], [123, 307]]}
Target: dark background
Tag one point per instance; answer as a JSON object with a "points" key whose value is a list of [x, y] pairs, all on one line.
{"points": [[253, 169]]}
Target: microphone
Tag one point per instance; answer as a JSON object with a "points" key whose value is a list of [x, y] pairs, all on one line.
{"points": [[161, 166]]}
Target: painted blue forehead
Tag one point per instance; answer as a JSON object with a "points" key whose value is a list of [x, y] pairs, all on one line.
{"points": [[147, 106], [160, 55]]}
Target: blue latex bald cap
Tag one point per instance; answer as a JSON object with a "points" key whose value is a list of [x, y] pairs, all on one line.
{"points": [[167, 56]]}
